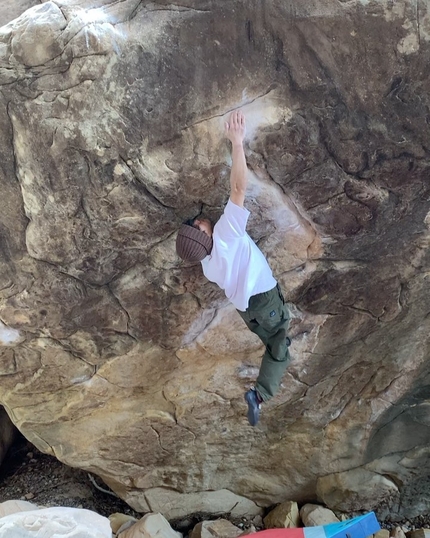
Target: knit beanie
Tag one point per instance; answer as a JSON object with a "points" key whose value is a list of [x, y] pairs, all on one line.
{"points": [[192, 244]]}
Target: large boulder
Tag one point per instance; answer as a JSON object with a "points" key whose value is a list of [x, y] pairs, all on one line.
{"points": [[118, 358]]}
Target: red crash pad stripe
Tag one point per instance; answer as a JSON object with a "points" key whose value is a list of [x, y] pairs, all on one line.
{"points": [[281, 533]]}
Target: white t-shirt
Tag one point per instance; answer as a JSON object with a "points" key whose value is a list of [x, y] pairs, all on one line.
{"points": [[236, 264]]}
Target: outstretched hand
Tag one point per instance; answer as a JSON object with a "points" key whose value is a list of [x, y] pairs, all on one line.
{"points": [[235, 127]]}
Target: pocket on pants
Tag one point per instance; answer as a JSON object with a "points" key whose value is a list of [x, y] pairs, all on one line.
{"points": [[272, 317]]}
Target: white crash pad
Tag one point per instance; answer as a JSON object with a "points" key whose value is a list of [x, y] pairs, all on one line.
{"points": [[55, 522]]}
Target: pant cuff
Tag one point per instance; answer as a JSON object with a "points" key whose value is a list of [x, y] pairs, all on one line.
{"points": [[264, 395]]}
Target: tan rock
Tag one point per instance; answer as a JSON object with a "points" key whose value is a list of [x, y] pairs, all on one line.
{"points": [[354, 490], [219, 528], [126, 525], [418, 533], [151, 526], [313, 515], [383, 533], [176, 505], [117, 520], [286, 515], [397, 532]]}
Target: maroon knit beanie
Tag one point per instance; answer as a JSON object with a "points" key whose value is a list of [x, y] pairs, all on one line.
{"points": [[192, 244]]}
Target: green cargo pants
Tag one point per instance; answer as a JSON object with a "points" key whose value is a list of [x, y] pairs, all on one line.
{"points": [[267, 316]]}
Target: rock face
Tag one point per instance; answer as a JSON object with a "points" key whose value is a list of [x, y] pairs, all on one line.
{"points": [[119, 359], [12, 10]]}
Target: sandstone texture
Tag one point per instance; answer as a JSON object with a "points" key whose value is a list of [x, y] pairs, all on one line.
{"points": [[118, 358]]}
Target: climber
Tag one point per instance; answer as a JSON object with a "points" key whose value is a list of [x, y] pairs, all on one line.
{"points": [[231, 259]]}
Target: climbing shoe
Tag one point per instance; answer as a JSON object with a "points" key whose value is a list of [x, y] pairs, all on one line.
{"points": [[253, 400]]}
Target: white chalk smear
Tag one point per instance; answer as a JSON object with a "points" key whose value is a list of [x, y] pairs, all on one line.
{"points": [[8, 336]]}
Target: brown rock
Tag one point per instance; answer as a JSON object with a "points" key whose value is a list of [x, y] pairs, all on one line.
{"points": [[286, 515]]}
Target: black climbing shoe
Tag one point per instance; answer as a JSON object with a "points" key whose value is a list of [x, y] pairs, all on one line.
{"points": [[254, 405]]}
